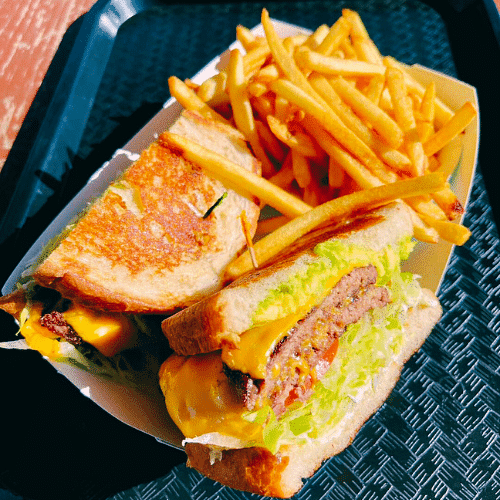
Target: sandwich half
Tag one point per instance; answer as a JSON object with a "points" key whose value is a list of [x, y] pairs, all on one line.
{"points": [[278, 371], [157, 240]]}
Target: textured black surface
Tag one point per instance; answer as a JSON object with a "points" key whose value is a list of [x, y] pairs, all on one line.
{"points": [[436, 437]]}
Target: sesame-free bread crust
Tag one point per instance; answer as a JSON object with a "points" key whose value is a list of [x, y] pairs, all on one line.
{"points": [[147, 248], [281, 475]]}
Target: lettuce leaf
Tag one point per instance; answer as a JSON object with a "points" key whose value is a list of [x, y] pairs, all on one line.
{"points": [[315, 280]]}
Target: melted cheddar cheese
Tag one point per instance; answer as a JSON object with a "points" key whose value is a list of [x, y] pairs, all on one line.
{"points": [[256, 345], [200, 400], [109, 333]]}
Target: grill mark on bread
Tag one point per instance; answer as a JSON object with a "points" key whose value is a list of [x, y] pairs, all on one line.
{"points": [[163, 237], [297, 360]]}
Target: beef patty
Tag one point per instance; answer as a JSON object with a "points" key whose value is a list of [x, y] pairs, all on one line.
{"points": [[307, 351]]}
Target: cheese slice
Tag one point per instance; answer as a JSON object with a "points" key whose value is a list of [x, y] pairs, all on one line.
{"points": [[256, 345], [109, 333], [200, 400]]}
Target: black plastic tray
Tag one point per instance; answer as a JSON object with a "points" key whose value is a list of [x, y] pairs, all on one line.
{"points": [[437, 435]]}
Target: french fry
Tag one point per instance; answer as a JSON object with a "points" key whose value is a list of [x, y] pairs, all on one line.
{"points": [[449, 231], [365, 49], [442, 112], [314, 193], [298, 40], [284, 177], [422, 231], [374, 89], [263, 105], [449, 203], [213, 90], [423, 205], [242, 109], [449, 163], [362, 176], [416, 153], [451, 129], [330, 121], [271, 144], [245, 37], [328, 65], [299, 91], [329, 106], [256, 88], [388, 129], [266, 226], [336, 34], [336, 174], [403, 111], [336, 209], [351, 165], [427, 106], [425, 129], [189, 100], [392, 157], [314, 40], [301, 169], [191, 84], [298, 141], [289, 46], [286, 62], [268, 73], [348, 49], [425, 126], [281, 107], [402, 105], [239, 179]]}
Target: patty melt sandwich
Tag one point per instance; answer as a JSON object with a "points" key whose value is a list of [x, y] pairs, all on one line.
{"points": [[155, 241], [278, 371]]}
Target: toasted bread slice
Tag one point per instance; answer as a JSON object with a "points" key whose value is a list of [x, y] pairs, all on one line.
{"points": [[145, 245], [281, 475], [225, 315]]}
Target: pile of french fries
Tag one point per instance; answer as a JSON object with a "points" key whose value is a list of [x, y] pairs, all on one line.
{"points": [[337, 127]]}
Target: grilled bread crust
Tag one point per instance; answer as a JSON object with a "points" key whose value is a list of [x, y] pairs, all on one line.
{"points": [[144, 246], [224, 316], [281, 475]]}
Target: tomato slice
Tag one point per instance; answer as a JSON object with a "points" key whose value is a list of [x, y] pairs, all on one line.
{"points": [[331, 352], [328, 357]]}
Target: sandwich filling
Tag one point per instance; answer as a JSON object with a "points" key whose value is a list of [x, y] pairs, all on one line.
{"points": [[295, 378], [304, 354], [117, 346]]}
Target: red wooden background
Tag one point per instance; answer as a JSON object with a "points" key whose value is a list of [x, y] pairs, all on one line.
{"points": [[30, 32]]}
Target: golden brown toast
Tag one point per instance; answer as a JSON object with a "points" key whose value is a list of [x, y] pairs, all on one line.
{"points": [[145, 245]]}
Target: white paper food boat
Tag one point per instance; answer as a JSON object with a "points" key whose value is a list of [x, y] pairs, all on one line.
{"points": [[147, 413]]}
